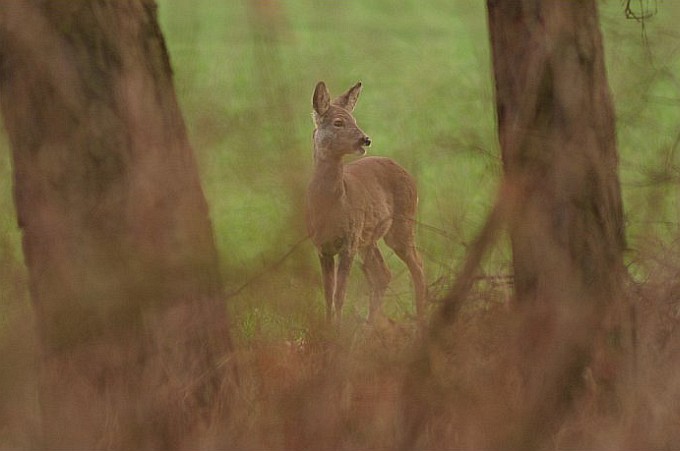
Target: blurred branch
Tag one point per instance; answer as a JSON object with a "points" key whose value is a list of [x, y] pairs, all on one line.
{"points": [[641, 16], [643, 12], [267, 269], [453, 301]]}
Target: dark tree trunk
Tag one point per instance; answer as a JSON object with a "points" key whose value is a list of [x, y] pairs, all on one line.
{"points": [[557, 134], [116, 234], [561, 202]]}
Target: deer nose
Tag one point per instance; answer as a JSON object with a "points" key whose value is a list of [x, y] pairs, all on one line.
{"points": [[367, 141]]}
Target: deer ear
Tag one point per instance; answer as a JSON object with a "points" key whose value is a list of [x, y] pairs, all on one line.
{"points": [[349, 99], [321, 100]]}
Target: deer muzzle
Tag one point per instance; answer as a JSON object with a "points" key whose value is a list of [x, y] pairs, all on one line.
{"points": [[363, 142]]}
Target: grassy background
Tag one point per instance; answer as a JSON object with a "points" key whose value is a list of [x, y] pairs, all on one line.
{"points": [[244, 74]]}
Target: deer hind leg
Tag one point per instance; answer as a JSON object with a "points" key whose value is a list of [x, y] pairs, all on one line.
{"points": [[404, 246], [328, 273], [378, 275], [344, 266]]}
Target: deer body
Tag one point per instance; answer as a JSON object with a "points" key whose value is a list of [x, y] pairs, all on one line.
{"points": [[350, 207]]}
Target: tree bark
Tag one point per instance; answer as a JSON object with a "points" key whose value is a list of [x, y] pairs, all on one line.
{"points": [[557, 133], [117, 239]]}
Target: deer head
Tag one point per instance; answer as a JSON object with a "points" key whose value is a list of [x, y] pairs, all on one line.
{"points": [[336, 132]]}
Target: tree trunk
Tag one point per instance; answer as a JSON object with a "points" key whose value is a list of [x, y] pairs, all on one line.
{"points": [[116, 234], [557, 134]]}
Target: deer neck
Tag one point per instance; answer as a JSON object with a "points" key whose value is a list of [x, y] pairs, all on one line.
{"points": [[327, 182]]}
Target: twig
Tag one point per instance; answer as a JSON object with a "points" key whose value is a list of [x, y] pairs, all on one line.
{"points": [[268, 268]]}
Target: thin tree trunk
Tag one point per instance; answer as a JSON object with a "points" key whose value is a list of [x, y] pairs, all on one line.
{"points": [[118, 243], [557, 133]]}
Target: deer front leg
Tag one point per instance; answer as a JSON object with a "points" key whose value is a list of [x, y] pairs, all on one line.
{"points": [[344, 265], [328, 274]]}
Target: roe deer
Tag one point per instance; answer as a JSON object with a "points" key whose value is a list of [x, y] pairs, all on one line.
{"points": [[352, 206]]}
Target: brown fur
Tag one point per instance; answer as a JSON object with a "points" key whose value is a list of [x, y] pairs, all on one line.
{"points": [[351, 207]]}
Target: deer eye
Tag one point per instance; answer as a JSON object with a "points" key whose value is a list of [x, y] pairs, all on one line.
{"points": [[338, 123]]}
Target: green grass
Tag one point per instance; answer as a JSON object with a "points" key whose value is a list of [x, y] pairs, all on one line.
{"points": [[244, 79], [245, 85]]}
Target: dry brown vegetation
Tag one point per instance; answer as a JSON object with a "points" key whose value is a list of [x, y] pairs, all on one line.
{"points": [[351, 389], [356, 389]]}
